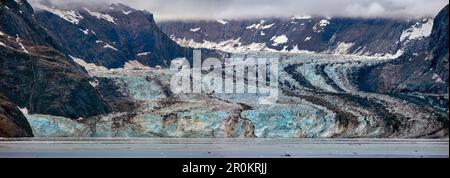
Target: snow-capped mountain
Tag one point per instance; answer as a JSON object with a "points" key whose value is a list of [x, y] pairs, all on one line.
{"points": [[372, 37], [110, 35]]}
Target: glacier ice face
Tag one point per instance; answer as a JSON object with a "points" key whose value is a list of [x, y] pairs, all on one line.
{"points": [[51, 126], [290, 121]]}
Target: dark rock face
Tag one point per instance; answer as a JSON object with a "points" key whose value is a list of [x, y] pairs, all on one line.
{"points": [[327, 35], [12, 121], [111, 35], [423, 70], [439, 45], [36, 75]]}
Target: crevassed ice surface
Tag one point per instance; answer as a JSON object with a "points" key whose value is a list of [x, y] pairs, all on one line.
{"points": [[317, 99]]}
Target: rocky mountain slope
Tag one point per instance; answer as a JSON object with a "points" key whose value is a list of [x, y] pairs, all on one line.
{"points": [[36, 75], [377, 37], [109, 35], [12, 121], [423, 71]]}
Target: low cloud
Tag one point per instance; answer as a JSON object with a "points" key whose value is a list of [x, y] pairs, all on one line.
{"points": [[234, 9]]}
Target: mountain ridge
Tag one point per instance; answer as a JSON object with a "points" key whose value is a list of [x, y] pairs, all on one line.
{"points": [[370, 37]]}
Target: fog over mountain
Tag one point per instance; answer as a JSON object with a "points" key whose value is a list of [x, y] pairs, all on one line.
{"points": [[234, 9]]}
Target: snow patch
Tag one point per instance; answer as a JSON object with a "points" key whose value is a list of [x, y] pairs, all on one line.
{"points": [[260, 26], [417, 31], [110, 47], [88, 66], [94, 83], [23, 110], [126, 12], [21, 45], [195, 29], [343, 48], [320, 27], [267, 26], [279, 40], [307, 38], [437, 78], [143, 54], [86, 32], [101, 16], [324, 23], [231, 46], [301, 17], [221, 21], [70, 16]]}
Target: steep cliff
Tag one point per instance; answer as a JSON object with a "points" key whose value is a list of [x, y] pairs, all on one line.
{"points": [[12, 122], [35, 74], [423, 70]]}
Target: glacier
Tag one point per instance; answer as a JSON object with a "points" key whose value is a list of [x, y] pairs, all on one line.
{"points": [[318, 99]]}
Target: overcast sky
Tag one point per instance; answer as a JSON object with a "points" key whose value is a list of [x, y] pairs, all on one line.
{"points": [[232, 9]]}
